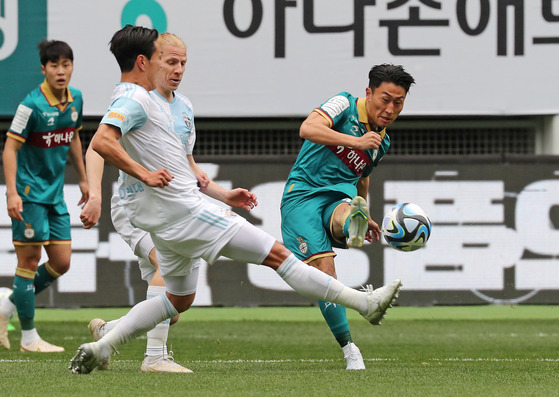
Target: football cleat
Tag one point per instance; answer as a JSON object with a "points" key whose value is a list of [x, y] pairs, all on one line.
{"points": [[164, 363], [41, 346], [4, 341], [380, 300], [358, 222], [97, 330], [353, 357], [87, 358]]}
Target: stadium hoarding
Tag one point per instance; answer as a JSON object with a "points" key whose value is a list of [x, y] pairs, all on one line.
{"points": [[494, 239], [262, 58]]}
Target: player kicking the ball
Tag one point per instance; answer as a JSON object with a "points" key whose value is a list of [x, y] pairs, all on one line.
{"points": [[323, 204], [160, 194]]}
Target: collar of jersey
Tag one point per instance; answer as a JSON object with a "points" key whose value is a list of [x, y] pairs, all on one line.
{"points": [[362, 112], [52, 100]]}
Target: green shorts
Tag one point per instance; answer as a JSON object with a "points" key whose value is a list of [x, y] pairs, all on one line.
{"points": [[42, 224], [305, 224]]}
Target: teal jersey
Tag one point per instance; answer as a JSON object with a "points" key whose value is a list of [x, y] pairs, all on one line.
{"points": [[320, 168], [46, 128]]}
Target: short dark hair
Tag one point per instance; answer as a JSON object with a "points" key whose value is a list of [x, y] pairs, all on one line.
{"points": [[390, 74], [53, 50], [131, 41]]}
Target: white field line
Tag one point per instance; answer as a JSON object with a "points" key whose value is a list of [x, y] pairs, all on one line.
{"points": [[479, 359]]}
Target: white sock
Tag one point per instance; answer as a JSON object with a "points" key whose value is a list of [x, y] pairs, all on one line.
{"points": [[157, 337], [140, 319], [7, 308], [313, 283], [29, 336]]}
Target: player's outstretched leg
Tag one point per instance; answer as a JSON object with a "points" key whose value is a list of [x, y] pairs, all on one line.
{"points": [[358, 222]]}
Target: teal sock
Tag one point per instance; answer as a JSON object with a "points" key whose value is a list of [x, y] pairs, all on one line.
{"points": [[336, 318], [24, 299], [43, 279]]}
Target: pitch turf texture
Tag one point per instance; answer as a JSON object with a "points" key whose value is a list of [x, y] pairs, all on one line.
{"points": [[440, 351]]}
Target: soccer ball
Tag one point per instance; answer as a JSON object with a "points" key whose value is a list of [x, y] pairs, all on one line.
{"points": [[407, 227], [5, 292]]}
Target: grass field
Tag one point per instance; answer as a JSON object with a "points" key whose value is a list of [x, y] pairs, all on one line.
{"points": [[440, 351]]}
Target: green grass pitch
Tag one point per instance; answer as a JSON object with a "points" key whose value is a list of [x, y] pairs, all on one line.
{"points": [[438, 351]]}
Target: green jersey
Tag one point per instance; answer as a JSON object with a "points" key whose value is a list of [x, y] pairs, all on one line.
{"points": [[46, 128], [322, 168]]}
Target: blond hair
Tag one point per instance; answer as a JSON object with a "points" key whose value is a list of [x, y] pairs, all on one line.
{"points": [[170, 39]]}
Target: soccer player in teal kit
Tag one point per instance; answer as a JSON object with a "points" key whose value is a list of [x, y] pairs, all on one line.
{"points": [[323, 204], [42, 134]]}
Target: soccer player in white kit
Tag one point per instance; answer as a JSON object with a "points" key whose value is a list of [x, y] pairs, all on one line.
{"points": [[160, 194]]}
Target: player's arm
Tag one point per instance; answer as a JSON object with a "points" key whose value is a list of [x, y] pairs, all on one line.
{"points": [[201, 176], [76, 156], [105, 142], [239, 198], [9, 157], [94, 167], [363, 191], [317, 128]]}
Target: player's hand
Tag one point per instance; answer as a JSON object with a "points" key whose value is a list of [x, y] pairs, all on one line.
{"points": [[15, 207], [159, 178], [203, 181], [373, 232], [371, 140], [91, 213], [242, 198]]}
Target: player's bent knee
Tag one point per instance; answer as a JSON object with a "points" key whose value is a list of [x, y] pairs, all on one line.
{"points": [[181, 303], [277, 255]]}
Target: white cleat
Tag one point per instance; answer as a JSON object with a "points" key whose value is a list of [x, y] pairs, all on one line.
{"points": [[87, 358], [164, 363], [380, 300], [4, 341], [353, 357], [7, 309], [97, 330], [41, 346], [358, 222]]}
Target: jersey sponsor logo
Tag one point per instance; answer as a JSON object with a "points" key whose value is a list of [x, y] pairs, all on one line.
{"points": [[115, 115], [50, 139], [335, 105], [20, 119], [356, 160], [130, 191]]}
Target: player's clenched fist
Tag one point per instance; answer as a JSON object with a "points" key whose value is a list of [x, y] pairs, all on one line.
{"points": [[159, 178], [371, 140]]}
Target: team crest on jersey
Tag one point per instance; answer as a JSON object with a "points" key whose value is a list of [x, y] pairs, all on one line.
{"points": [[303, 246], [29, 232], [187, 120], [74, 114]]}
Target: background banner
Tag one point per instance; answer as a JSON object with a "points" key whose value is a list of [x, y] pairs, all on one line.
{"points": [[278, 58], [494, 239]]}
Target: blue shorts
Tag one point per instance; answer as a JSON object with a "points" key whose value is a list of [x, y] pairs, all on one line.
{"points": [[42, 224], [305, 224]]}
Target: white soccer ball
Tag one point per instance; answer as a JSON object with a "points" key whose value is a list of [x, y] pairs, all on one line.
{"points": [[407, 227], [5, 292]]}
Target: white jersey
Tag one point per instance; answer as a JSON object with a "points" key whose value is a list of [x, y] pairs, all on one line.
{"points": [[155, 138]]}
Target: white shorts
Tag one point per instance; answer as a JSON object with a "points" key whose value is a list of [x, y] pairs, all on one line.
{"points": [[139, 240], [213, 232]]}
